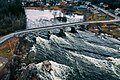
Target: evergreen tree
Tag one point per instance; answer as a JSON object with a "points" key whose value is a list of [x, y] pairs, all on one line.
{"points": [[12, 16]]}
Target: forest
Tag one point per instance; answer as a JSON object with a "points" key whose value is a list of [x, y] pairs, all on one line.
{"points": [[113, 4], [12, 16]]}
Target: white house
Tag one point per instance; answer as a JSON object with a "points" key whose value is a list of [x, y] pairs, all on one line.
{"points": [[117, 11]]}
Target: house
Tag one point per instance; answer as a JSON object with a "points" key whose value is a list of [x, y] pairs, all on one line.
{"points": [[117, 11], [81, 7], [72, 1]]}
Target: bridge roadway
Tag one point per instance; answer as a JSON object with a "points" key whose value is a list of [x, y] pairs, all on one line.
{"points": [[106, 12], [116, 19]]}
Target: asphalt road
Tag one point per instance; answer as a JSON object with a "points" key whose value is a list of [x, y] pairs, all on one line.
{"points": [[116, 19]]}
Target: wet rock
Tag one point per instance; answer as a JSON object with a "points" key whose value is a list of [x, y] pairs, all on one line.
{"points": [[59, 18], [34, 39], [4, 68], [61, 33], [49, 70], [82, 28], [48, 35], [46, 66], [28, 72], [31, 56], [73, 30], [84, 53], [62, 19], [80, 56]]}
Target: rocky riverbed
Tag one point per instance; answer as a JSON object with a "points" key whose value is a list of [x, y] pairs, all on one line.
{"points": [[75, 56]]}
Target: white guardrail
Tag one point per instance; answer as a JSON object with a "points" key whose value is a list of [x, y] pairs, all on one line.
{"points": [[116, 19]]}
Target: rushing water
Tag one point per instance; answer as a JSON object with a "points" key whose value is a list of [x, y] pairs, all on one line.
{"points": [[79, 56], [76, 56], [38, 18]]}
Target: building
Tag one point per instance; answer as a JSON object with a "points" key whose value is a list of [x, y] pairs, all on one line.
{"points": [[117, 11]]}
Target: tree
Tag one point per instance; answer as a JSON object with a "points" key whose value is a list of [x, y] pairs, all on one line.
{"points": [[12, 16]]}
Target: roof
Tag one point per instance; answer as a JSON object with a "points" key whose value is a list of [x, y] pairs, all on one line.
{"points": [[80, 7]]}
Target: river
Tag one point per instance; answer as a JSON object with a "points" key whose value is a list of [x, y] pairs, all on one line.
{"points": [[79, 56], [76, 56], [38, 18]]}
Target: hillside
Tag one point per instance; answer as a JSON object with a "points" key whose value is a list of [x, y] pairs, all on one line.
{"points": [[12, 16], [113, 3]]}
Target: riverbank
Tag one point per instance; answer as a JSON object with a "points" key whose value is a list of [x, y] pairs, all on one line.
{"points": [[110, 30], [30, 53], [8, 47]]}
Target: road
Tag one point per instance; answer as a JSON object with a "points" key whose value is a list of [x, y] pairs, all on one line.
{"points": [[106, 12], [116, 19]]}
